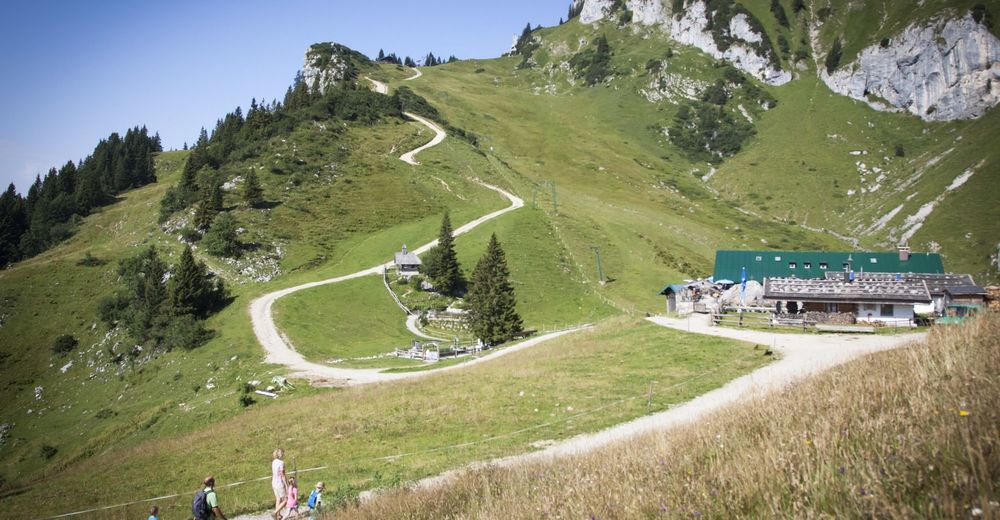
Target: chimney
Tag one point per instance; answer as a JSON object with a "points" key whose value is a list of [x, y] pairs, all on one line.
{"points": [[904, 253], [404, 249]]}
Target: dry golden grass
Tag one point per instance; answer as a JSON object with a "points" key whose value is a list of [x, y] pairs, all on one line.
{"points": [[902, 434]]}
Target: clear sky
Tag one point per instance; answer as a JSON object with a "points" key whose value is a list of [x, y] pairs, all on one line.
{"points": [[73, 72]]}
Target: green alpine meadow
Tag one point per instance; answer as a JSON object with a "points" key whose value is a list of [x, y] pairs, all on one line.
{"points": [[493, 287]]}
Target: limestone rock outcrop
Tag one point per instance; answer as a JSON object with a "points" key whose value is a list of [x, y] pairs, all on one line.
{"points": [[939, 70], [326, 64], [691, 27], [644, 12]]}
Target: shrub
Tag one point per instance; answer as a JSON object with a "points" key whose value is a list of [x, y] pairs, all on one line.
{"points": [[900, 152], [64, 344], [47, 451], [90, 260]]}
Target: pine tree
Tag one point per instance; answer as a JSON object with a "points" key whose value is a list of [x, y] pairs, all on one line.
{"points": [[253, 194], [833, 59], [381, 55], [779, 13], [210, 206], [447, 278], [493, 317], [187, 286]]}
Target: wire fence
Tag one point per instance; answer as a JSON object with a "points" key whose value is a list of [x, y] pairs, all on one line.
{"points": [[645, 396]]}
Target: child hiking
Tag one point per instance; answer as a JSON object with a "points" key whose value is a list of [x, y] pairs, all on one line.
{"points": [[293, 498], [315, 502]]}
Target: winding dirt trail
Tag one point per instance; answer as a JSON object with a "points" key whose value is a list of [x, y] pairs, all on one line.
{"points": [[415, 76], [279, 349], [439, 136], [802, 355]]}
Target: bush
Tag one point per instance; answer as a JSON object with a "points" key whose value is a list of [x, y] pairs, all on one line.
{"points": [[48, 451], [185, 331], [64, 344], [220, 239], [90, 260], [900, 152]]}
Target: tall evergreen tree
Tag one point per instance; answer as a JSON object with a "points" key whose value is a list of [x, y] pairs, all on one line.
{"points": [[833, 58], [493, 316], [253, 194], [448, 277], [187, 286]]}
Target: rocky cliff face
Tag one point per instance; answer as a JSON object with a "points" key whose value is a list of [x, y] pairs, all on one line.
{"points": [[328, 64], [645, 12], [691, 28], [941, 70]]}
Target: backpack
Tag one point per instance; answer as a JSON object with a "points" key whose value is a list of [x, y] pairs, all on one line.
{"points": [[199, 507], [312, 499]]}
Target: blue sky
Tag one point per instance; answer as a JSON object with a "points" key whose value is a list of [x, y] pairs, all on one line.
{"points": [[76, 71]]}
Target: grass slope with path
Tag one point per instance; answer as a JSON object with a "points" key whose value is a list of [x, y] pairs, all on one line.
{"points": [[907, 433], [580, 382]]}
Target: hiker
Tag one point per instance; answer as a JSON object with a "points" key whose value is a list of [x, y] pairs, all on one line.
{"points": [[154, 513], [315, 502], [293, 498], [278, 482], [206, 502]]}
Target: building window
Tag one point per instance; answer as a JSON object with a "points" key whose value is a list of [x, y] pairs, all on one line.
{"points": [[792, 265], [759, 258], [777, 259], [887, 310], [874, 260], [822, 265], [807, 265]]}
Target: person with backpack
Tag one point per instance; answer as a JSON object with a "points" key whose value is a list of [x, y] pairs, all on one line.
{"points": [[315, 502], [206, 503]]}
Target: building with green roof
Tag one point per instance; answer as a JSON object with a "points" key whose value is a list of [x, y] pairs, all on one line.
{"points": [[815, 264]]}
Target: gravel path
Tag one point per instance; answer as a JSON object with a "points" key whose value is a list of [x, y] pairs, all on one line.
{"points": [[411, 325], [279, 349], [801, 355], [439, 136], [416, 75]]}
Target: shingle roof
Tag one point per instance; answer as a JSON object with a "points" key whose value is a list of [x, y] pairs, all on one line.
{"points": [[407, 259], [937, 283], [860, 291], [675, 288], [966, 290], [810, 264]]}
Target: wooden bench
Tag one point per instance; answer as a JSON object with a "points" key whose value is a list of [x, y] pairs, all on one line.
{"points": [[867, 329]]}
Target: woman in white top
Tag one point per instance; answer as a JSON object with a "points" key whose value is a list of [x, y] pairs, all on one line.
{"points": [[278, 482]]}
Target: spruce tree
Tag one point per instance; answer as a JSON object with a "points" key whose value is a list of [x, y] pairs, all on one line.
{"points": [[833, 58], [493, 316], [187, 286], [253, 194], [447, 277]]}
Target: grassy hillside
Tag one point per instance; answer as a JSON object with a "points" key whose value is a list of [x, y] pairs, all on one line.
{"points": [[795, 184], [907, 433], [384, 434]]}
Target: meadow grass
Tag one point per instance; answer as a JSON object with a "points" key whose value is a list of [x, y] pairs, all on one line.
{"points": [[375, 435], [901, 434], [324, 323]]}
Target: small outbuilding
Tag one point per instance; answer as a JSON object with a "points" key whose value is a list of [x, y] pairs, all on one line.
{"points": [[965, 295], [407, 264], [675, 293]]}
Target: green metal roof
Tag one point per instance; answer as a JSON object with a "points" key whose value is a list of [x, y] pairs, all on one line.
{"points": [[815, 264]]}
